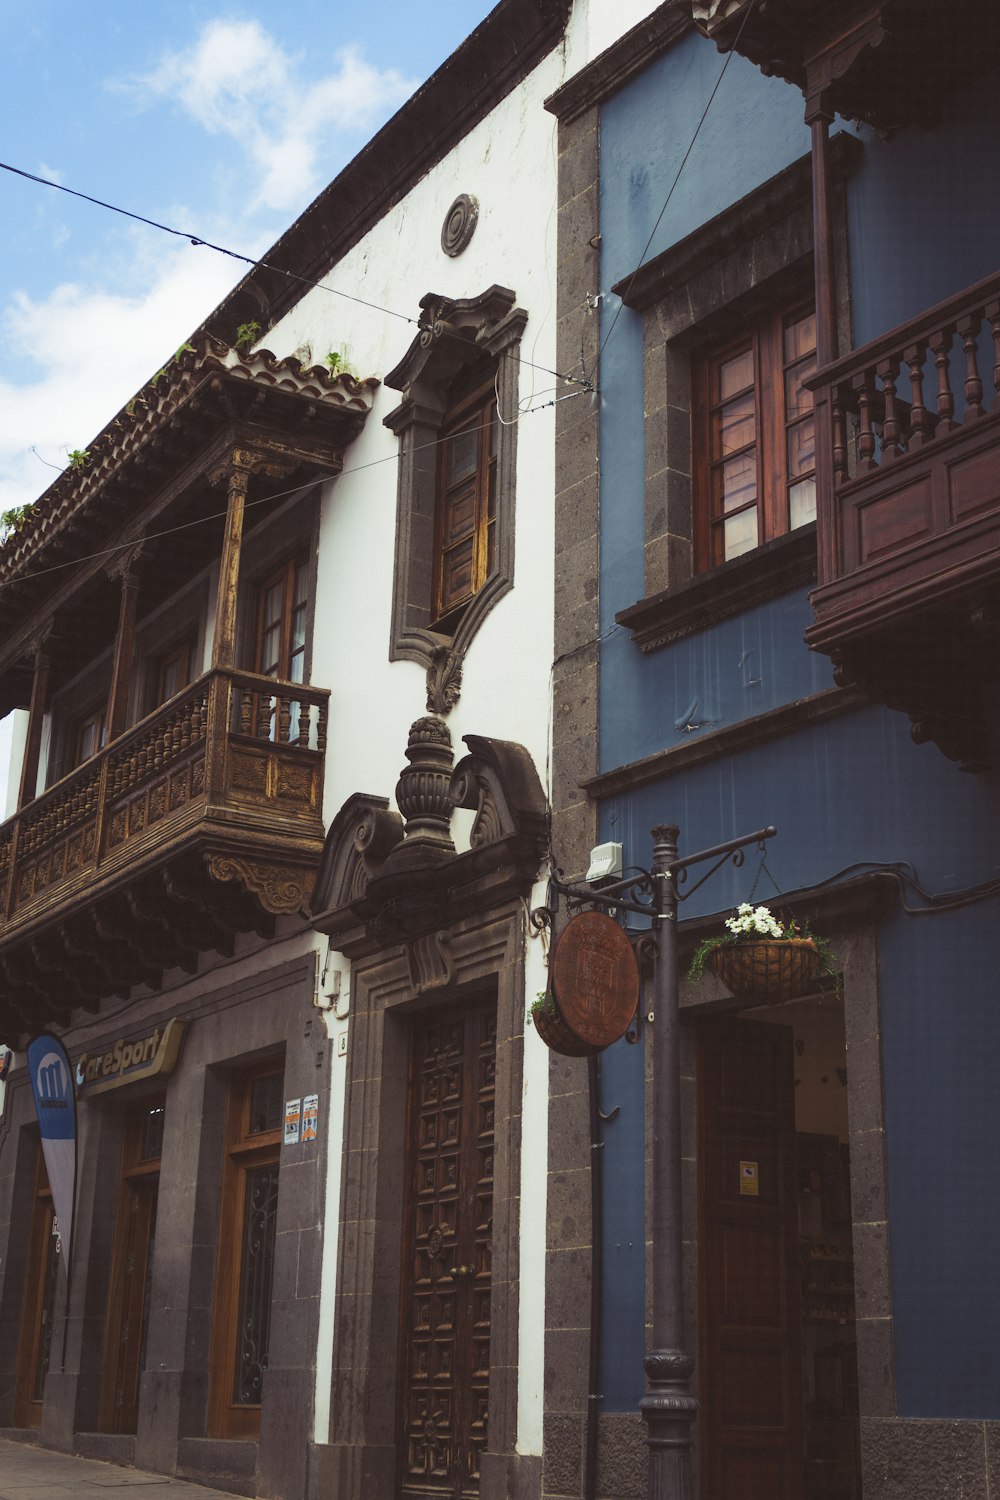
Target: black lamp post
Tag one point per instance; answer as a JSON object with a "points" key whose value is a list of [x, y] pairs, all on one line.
{"points": [[668, 1408]]}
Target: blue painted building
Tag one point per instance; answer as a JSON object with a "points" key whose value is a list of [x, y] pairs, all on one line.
{"points": [[778, 559]]}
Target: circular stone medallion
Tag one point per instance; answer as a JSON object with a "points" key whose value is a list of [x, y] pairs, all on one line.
{"points": [[459, 224]]}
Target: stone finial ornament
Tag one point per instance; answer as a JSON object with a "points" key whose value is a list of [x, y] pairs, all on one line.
{"points": [[423, 793]]}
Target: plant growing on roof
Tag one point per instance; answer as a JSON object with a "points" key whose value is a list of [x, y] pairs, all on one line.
{"points": [[12, 520], [78, 457], [247, 335]]}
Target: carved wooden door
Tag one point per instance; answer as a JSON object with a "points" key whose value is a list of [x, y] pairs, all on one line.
{"points": [[751, 1360], [448, 1225]]}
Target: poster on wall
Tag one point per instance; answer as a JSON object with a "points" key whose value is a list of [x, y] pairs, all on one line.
{"points": [[55, 1105]]}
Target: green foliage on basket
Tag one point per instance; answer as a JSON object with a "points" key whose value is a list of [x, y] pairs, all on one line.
{"points": [[750, 922]]}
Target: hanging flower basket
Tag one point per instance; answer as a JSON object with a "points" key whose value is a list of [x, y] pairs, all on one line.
{"points": [[767, 971], [553, 1030], [763, 961]]}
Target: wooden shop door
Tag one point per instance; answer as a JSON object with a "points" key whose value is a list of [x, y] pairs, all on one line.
{"points": [[35, 1345], [751, 1361], [448, 1225], [132, 1267]]}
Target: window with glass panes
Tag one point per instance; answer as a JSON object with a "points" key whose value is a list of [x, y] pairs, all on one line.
{"points": [[246, 1250], [465, 530], [282, 609], [90, 735], [754, 438]]}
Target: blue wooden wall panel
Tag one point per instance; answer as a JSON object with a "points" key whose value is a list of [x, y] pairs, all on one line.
{"points": [[923, 220]]}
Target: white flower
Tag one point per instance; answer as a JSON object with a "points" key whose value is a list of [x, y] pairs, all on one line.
{"points": [[758, 920]]}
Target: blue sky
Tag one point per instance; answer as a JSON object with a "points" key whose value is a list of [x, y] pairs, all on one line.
{"points": [[222, 120]]}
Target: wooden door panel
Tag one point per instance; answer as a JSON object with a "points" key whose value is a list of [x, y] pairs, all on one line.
{"points": [[751, 1423], [753, 1275], [448, 1219]]}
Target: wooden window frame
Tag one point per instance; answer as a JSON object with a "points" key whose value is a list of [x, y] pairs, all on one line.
{"points": [[476, 411], [161, 664], [764, 340], [244, 1150], [97, 715], [285, 574]]}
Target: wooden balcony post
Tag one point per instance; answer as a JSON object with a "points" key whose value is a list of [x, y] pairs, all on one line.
{"points": [[126, 568], [819, 117], [239, 468], [36, 715]]}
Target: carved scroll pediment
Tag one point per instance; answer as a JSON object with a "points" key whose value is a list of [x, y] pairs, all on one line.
{"points": [[382, 882], [498, 781], [453, 330], [361, 836]]}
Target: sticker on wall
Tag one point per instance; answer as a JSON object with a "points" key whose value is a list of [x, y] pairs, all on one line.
{"points": [[310, 1117], [749, 1181], [293, 1117]]}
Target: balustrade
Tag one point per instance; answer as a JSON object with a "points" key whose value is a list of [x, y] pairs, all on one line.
{"points": [[878, 408], [180, 760]]}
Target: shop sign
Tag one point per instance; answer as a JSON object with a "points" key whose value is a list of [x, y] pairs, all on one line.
{"points": [[131, 1059]]}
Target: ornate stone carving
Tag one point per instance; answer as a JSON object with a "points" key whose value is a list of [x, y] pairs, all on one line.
{"points": [[360, 839], [459, 224], [499, 782], [444, 680], [380, 884], [423, 794], [278, 888], [431, 964]]}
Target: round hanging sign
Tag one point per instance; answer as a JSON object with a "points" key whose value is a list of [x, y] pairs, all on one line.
{"points": [[595, 978]]}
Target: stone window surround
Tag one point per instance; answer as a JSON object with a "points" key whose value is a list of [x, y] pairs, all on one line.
{"points": [[455, 334], [753, 254]]}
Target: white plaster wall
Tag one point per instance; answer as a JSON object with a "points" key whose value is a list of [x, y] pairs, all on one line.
{"points": [[509, 163], [595, 24]]}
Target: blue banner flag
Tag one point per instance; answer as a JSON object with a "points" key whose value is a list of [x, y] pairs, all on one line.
{"points": [[55, 1105]]}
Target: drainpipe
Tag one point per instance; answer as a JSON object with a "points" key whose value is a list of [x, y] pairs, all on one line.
{"points": [[596, 1275]]}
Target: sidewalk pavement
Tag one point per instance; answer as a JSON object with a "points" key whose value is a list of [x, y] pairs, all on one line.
{"points": [[29, 1473]]}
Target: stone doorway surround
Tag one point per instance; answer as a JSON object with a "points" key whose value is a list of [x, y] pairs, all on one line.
{"points": [[425, 926]]}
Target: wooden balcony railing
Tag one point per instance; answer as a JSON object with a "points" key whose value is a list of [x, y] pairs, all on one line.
{"points": [[908, 519], [233, 763], [908, 489]]}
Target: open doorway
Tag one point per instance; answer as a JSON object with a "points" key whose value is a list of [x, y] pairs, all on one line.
{"points": [[778, 1352]]}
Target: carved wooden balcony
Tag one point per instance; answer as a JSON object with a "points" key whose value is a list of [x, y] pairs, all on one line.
{"points": [[202, 821], [908, 519], [889, 62]]}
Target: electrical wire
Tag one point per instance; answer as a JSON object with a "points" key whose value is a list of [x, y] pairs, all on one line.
{"points": [[294, 489], [677, 176], [906, 879], [200, 242]]}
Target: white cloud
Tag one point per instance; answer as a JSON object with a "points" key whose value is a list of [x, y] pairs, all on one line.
{"points": [[237, 81], [82, 351]]}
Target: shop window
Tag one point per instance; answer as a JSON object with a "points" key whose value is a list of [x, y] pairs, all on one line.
{"points": [[245, 1262], [466, 509], [754, 438], [132, 1266]]}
